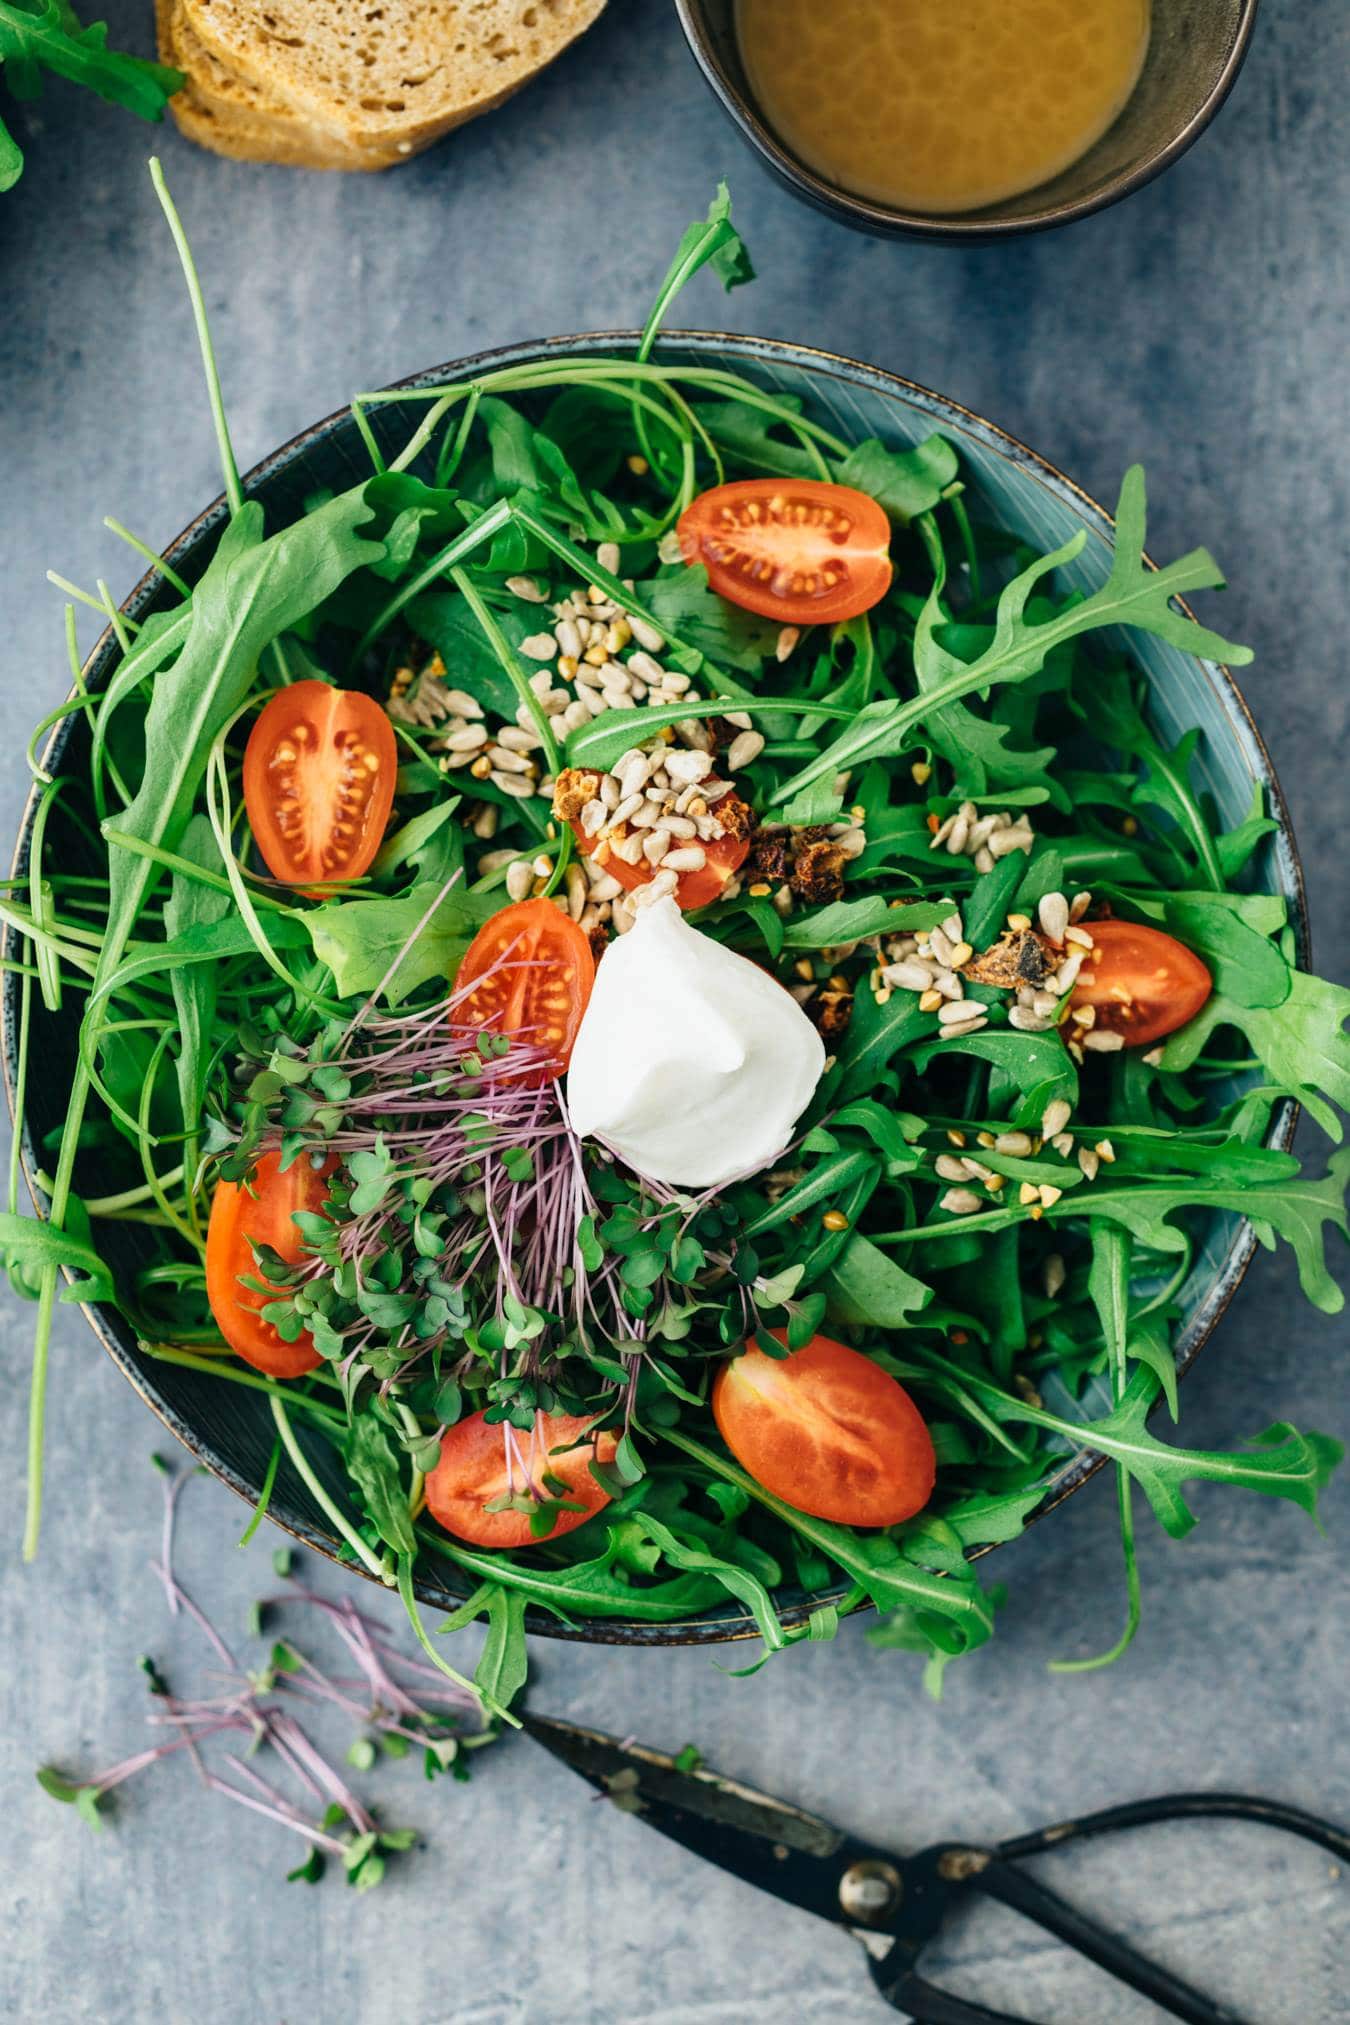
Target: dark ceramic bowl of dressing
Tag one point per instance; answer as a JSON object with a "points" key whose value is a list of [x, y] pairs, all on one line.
{"points": [[1196, 49]]}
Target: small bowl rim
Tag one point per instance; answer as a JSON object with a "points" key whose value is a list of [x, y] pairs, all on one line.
{"points": [[955, 228], [730, 1626]]}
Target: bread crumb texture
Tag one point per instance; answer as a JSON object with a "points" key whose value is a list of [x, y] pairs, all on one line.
{"points": [[381, 79]]}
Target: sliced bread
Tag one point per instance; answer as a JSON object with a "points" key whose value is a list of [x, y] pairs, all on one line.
{"points": [[395, 75], [223, 113]]}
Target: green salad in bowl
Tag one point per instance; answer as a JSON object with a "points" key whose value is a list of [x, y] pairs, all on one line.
{"points": [[677, 971]]}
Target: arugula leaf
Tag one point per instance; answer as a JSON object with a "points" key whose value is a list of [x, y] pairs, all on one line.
{"points": [[853, 920], [710, 242], [45, 35], [906, 482], [193, 904], [681, 602], [869, 1290], [28, 1247], [1133, 595], [1301, 1042], [11, 159], [373, 1466], [397, 944], [1296, 1210]]}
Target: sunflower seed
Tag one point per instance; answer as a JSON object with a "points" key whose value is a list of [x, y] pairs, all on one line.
{"points": [[629, 806], [494, 861], [463, 705], [1055, 1117], [1053, 915], [1101, 1041], [628, 849], [957, 1010], [744, 749], [961, 1201], [569, 638], [519, 879], [659, 888], [1026, 1021], [539, 647], [687, 768], [691, 858], [510, 762], [467, 739], [681, 826], [960, 1028], [1053, 1275], [911, 975], [788, 637], [655, 845], [941, 947], [950, 1167], [484, 824], [609, 558], [1016, 1143], [954, 928], [1089, 1160], [1079, 905], [517, 739], [526, 589], [645, 633], [512, 784]]}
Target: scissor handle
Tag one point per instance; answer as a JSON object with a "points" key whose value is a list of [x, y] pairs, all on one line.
{"points": [[939, 1873], [1184, 1807]]}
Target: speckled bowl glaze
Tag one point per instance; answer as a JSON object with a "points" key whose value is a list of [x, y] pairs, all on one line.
{"points": [[1196, 49], [228, 1428]]}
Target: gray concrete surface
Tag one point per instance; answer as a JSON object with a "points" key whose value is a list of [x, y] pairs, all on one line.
{"points": [[1201, 327]]}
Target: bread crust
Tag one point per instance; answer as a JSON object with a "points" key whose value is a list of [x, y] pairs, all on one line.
{"points": [[429, 65]]}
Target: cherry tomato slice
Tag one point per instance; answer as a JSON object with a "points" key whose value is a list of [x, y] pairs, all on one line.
{"points": [[472, 1473], [532, 970], [722, 856], [319, 772], [826, 1430], [260, 1212], [1142, 984], [793, 549]]}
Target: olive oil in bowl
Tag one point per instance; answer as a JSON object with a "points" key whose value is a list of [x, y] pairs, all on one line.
{"points": [[941, 106]]}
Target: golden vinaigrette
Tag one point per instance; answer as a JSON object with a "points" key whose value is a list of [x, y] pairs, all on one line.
{"points": [[941, 105]]}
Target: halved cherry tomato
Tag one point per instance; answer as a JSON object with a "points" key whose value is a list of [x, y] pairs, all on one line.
{"points": [[472, 1473], [793, 549], [722, 856], [262, 1212], [319, 772], [532, 970], [826, 1430], [1143, 984]]}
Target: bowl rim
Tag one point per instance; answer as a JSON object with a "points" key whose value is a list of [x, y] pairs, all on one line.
{"points": [[729, 1624], [957, 228]]}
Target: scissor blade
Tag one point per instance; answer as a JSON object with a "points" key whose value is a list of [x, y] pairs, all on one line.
{"points": [[785, 1851]]}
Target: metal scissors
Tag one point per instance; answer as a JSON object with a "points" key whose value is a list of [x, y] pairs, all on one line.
{"points": [[897, 1904]]}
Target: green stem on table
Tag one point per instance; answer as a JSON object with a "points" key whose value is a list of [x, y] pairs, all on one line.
{"points": [[409, 1600], [229, 469]]}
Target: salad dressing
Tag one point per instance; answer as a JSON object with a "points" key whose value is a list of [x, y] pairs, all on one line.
{"points": [[941, 105]]}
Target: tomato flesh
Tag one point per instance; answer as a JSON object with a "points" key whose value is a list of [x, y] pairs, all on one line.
{"points": [[531, 969], [473, 1472], [793, 549], [826, 1430], [722, 856], [1141, 983], [260, 1212], [319, 771]]}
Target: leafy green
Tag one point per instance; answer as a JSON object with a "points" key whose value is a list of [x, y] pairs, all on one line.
{"points": [[396, 944], [45, 35]]}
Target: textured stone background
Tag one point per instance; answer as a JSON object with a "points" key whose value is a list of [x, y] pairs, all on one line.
{"points": [[1201, 327]]}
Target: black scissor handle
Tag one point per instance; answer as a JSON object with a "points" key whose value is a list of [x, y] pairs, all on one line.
{"points": [[1184, 1807], [938, 1876]]}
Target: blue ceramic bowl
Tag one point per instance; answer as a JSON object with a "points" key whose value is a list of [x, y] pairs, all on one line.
{"points": [[230, 1430]]}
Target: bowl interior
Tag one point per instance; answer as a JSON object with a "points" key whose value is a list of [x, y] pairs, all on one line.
{"points": [[1195, 51], [229, 1428]]}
